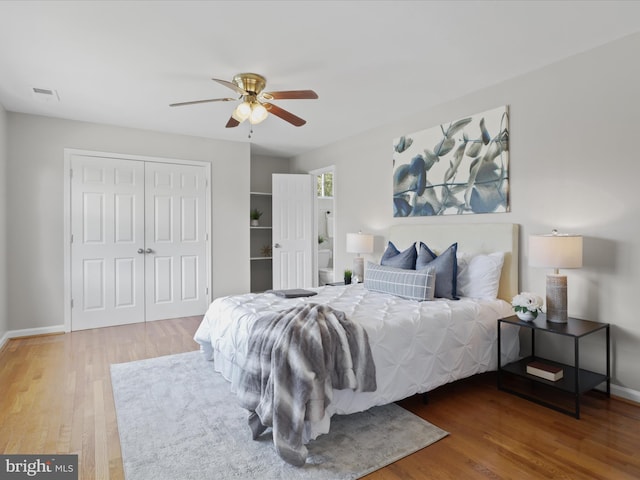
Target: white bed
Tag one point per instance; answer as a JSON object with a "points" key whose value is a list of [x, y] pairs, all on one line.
{"points": [[416, 346]]}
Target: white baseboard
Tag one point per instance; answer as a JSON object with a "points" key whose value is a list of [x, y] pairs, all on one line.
{"points": [[626, 393], [29, 332]]}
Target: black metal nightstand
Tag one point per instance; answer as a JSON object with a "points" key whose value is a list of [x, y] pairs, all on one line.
{"points": [[576, 380]]}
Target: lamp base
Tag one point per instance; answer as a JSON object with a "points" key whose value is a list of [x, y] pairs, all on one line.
{"points": [[358, 268], [557, 298]]}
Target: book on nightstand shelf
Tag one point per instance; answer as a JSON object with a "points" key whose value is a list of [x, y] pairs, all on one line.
{"points": [[544, 370]]}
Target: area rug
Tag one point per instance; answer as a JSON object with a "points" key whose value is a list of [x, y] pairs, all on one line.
{"points": [[177, 419]]}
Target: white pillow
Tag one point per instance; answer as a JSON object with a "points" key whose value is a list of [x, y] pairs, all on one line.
{"points": [[479, 275]]}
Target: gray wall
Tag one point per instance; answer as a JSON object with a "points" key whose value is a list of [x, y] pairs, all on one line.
{"points": [[262, 167], [35, 206], [4, 322], [574, 166]]}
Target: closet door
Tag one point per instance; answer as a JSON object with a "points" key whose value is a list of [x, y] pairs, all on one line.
{"points": [[107, 228], [138, 241], [175, 235]]}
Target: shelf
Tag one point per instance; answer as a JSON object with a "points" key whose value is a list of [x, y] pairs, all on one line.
{"points": [[588, 379], [573, 328], [260, 238]]}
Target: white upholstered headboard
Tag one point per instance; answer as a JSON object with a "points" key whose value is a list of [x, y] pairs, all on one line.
{"points": [[471, 238]]}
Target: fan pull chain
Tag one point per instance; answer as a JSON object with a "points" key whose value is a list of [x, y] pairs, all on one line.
{"points": [[250, 131]]}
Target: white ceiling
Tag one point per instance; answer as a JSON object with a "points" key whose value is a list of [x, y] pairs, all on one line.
{"points": [[371, 62]]}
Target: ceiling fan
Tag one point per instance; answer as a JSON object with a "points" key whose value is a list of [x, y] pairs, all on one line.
{"points": [[256, 105]]}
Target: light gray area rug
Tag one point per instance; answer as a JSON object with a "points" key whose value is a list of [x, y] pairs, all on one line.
{"points": [[178, 420]]}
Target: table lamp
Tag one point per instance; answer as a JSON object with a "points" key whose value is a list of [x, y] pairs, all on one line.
{"points": [[359, 243], [557, 250]]}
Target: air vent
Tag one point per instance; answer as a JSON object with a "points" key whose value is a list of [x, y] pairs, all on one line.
{"points": [[45, 94]]}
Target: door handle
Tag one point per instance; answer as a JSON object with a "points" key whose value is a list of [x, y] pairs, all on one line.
{"points": [[148, 250], [277, 245], [140, 251]]}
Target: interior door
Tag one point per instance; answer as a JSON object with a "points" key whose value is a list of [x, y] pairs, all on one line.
{"points": [[107, 233], [293, 231], [175, 249], [138, 241]]}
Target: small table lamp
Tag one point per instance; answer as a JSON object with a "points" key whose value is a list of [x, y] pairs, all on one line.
{"points": [[359, 243], [557, 250]]}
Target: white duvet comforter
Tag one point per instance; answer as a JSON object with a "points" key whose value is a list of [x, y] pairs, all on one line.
{"points": [[416, 346]]}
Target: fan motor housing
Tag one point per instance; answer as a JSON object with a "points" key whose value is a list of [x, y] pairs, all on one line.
{"points": [[250, 82]]}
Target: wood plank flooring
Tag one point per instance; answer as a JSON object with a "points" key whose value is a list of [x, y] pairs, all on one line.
{"points": [[56, 397]]}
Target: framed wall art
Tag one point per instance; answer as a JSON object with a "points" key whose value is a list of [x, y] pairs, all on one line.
{"points": [[457, 168]]}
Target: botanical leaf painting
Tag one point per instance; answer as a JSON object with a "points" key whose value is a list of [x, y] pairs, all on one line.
{"points": [[458, 167]]}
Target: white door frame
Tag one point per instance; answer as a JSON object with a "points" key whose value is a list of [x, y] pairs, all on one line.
{"points": [[316, 173], [68, 153]]}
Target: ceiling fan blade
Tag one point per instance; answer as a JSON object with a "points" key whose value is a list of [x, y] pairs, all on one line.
{"points": [[202, 101], [290, 94], [232, 123], [283, 114], [232, 86]]}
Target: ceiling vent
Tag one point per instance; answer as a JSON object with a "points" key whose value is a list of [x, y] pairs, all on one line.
{"points": [[45, 94]]}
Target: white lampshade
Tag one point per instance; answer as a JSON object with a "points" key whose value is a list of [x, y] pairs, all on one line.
{"points": [[556, 250], [359, 243], [242, 112], [258, 113]]}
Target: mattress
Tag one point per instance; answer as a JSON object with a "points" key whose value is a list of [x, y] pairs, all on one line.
{"points": [[416, 346]]}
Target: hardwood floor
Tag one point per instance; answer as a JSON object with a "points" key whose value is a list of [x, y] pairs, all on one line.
{"points": [[56, 398]]}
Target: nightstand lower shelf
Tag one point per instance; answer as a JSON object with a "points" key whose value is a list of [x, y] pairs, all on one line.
{"points": [[587, 380]]}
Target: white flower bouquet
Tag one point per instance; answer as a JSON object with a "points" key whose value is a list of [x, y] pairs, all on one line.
{"points": [[527, 305]]}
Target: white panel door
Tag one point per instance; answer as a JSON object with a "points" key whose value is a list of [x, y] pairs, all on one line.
{"points": [[176, 241], [292, 231], [107, 228]]}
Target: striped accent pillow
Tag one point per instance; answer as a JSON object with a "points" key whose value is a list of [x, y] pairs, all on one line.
{"points": [[411, 284]]}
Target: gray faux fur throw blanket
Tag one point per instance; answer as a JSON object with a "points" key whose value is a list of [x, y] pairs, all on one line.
{"points": [[295, 358]]}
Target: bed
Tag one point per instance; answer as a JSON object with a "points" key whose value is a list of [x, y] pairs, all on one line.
{"points": [[416, 346]]}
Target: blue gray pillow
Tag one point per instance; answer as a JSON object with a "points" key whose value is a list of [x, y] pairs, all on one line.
{"points": [[446, 267], [411, 284], [392, 257]]}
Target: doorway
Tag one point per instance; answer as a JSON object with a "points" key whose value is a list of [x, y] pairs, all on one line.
{"points": [[138, 237], [325, 220]]}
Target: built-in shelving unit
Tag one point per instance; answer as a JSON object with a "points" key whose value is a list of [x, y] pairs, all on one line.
{"points": [[261, 238]]}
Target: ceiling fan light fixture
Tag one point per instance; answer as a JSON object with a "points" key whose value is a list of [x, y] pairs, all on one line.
{"points": [[255, 103], [258, 113], [242, 112]]}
